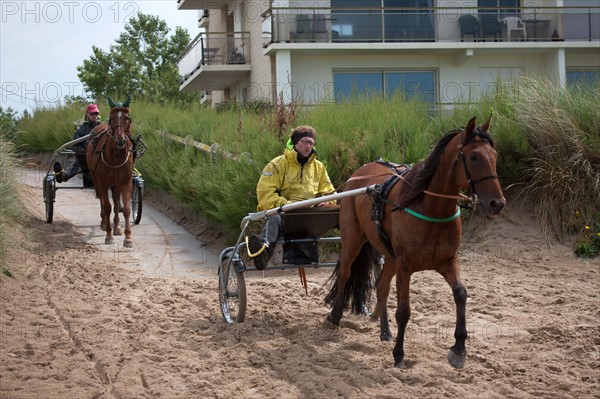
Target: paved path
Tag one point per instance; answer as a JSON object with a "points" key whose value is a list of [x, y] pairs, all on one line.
{"points": [[161, 247]]}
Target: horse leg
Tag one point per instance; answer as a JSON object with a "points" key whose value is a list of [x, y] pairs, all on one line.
{"points": [[102, 217], [106, 209], [458, 353], [383, 290], [126, 194], [116, 196], [402, 315]]}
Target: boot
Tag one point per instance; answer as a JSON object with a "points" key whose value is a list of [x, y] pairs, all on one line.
{"points": [[259, 251], [59, 173]]}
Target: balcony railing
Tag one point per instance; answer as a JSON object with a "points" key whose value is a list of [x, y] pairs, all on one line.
{"points": [[215, 48], [437, 24]]}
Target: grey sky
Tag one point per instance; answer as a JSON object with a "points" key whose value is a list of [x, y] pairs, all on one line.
{"points": [[42, 43]]}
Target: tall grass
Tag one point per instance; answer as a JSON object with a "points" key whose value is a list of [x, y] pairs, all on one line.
{"points": [[363, 129], [535, 125], [11, 209], [563, 172], [49, 128]]}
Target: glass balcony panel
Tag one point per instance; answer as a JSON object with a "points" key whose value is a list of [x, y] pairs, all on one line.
{"points": [[434, 24]]}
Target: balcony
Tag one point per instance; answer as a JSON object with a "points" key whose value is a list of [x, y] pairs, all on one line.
{"points": [[432, 25], [214, 60]]}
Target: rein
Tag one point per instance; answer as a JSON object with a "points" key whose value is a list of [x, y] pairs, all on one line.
{"points": [[111, 132], [118, 166], [393, 172], [107, 132]]}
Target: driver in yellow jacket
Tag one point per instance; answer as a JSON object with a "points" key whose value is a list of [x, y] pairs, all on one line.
{"points": [[294, 176]]}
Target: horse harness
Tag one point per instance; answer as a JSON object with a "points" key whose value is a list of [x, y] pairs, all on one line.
{"points": [[379, 197], [108, 132]]}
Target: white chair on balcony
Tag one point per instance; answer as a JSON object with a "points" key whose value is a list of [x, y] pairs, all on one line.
{"points": [[514, 24]]}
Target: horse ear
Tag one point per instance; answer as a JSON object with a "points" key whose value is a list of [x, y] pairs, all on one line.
{"points": [[487, 124], [471, 126], [111, 102], [126, 102]]}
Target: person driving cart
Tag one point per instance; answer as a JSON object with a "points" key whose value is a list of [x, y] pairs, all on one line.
{"points": [[296, 175], [91, 120]]}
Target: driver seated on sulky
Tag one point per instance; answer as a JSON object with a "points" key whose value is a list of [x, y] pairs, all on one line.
{"points": [[91, 120], [296, 175]]}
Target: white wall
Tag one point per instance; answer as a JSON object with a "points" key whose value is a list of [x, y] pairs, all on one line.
{"points": [[314, 74]]}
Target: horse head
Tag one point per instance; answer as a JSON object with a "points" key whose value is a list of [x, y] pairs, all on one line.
{"points": [[478, 173], [119, 121]]}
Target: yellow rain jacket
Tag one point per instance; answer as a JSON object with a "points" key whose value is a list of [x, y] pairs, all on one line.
{"points": [[284, 181]]}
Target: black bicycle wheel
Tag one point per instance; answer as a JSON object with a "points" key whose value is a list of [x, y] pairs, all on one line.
{"points": [[137, 201], [48, 190], [232, 290]]}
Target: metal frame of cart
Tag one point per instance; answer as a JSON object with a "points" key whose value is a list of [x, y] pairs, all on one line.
{"points": [[232, 284], [50, 185]]}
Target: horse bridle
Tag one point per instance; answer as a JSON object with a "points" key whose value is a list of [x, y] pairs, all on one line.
{"points": [[461, 155], [111, 133], [112, 130]]}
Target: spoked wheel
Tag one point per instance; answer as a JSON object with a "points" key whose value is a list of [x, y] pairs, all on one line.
{"points": [[48, 188], [232, 290], [137, 198]]}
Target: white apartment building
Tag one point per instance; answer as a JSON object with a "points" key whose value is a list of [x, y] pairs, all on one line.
{"points": [[443, 51]]}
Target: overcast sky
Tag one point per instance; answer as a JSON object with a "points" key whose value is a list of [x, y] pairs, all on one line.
{"points": [[43, 42]]}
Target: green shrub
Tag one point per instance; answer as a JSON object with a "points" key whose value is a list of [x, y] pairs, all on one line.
{"points": [[588, 242], [562, 174], [11, 208], [547, 141]]}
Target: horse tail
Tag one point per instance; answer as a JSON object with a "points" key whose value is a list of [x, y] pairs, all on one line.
{"points": [[360, 283]]}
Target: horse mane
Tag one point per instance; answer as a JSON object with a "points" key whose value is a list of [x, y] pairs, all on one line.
{"points": [[419, 177]]}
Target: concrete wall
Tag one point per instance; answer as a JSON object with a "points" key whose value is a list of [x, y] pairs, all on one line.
{"points": [[313, 75]]}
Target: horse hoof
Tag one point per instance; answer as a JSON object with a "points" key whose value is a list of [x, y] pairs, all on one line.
{"points": [[457, 361], [109, 240], [374, 316], [385, 337], [102, 227], [401, 365], [128, 243], [329, 320], [117, 232]]}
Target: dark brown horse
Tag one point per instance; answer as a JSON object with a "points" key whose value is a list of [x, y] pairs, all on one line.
{"points": [[110, 160], [418, 228]]}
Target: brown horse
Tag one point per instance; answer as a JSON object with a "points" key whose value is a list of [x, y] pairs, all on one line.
{"points": [[110, 160], [414, 221]]}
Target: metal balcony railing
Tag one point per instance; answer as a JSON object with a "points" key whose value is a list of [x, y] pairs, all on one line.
{"points": [[436, 24], [215, 48]]}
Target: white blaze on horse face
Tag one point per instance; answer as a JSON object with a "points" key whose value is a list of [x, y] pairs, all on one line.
{"points": [[120, 114]]}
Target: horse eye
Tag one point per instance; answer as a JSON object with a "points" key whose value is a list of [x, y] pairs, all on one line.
{"points": [[473, 157]]}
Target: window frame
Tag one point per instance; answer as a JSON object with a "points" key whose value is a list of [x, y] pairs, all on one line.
{"points": [[431, 93]]}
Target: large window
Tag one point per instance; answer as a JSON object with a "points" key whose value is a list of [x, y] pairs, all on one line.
{"points": [[582, 21], [356, 20], [583, 77], [506, 7], [491, 12], [383, 20], [417, 85], [408, 20]]}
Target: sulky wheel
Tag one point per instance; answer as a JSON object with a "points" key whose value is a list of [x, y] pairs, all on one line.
{"points": [[137, 198], [48, 188], [232, 289]]}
